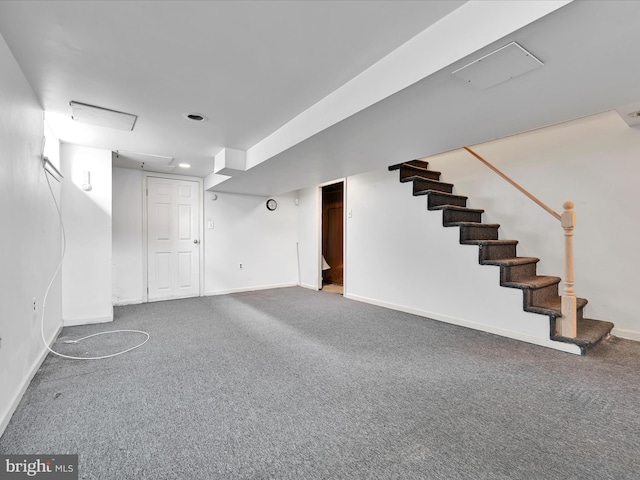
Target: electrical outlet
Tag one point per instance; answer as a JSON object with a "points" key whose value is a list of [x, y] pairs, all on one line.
{"points": [[240, 266], [35, 308]]}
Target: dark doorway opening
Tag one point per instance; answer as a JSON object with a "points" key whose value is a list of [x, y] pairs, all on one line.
{"points": [[332, 234]]}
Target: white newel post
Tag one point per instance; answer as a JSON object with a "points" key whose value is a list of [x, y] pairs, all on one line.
{"points": [[567, 326]]}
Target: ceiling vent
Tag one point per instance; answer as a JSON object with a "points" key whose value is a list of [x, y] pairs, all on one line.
{"points": [[146, 159], [102, 117], [504, 64]]}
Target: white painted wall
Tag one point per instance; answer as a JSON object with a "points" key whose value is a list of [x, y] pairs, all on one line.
{"points": [[87, 269], [309, 236], [244, 231], [592, 162], [128, 248], [30, 243], [399, 255]]}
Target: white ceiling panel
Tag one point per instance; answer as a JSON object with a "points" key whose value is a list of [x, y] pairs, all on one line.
{"points": [[253, 68]]}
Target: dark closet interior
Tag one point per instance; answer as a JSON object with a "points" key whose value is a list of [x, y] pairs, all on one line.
{"points": [[332, 234]]}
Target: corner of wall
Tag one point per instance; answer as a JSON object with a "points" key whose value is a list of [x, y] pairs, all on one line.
{"points": [[30, 255], [87, 215]]}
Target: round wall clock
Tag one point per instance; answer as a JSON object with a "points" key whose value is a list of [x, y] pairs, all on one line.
{"points": [[272, 204]]}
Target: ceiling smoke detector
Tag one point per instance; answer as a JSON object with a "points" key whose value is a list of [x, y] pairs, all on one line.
{"points": [[195, 117]]}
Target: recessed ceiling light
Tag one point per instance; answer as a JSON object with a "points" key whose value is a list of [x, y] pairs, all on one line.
{"points": [[195, 117], [184, 165]]}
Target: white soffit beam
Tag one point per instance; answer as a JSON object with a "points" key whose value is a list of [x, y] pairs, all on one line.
{"points": [[214, 179], [230, 161], [467, 29], [103, 117], [498, 66]]}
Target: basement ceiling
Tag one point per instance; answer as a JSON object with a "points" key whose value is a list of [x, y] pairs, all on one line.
{"points": [[257, 69], [249, 66]]}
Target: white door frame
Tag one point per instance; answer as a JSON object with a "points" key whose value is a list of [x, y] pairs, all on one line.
{"points": [[145, 252], [344, 231]]}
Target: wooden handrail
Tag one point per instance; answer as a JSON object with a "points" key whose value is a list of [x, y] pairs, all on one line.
{"points": [[512, 182], [567, 324]]}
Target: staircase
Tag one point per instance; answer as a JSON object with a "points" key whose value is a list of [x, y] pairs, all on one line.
{"points": [[540, 292]]}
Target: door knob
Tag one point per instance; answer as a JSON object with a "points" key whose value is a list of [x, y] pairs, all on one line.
{"points": [[196, 241]]}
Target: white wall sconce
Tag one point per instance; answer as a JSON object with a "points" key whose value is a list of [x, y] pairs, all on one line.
{"points": [[86, 181]]}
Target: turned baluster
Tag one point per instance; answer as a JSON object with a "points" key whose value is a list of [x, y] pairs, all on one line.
{"points": [[567, 326]]}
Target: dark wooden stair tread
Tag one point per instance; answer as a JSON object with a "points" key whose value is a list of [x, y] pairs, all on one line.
{"points": [[419, 168], [489, 242], [510, 262], [412, 163], [472, 224], [457, 208], [553, 307], [424, 184], [539, 281], [413, 178], [590, 332], [444, 194]]}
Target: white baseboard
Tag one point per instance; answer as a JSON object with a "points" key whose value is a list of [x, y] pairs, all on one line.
{"points": [[249, 289], [128, 301], [309, 286], [74, 322], [628, 334], [6, 416], [564, 347]]}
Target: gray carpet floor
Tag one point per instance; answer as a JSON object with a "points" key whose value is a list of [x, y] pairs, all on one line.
{"points": [[296, 384]]}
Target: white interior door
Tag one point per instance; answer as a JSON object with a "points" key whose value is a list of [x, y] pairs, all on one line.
{"points": [[173, 239]]}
